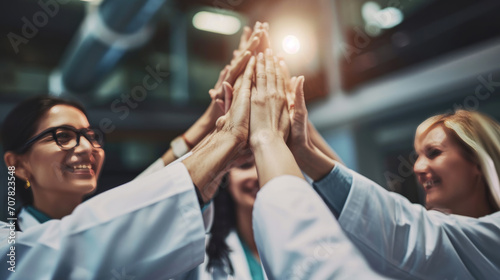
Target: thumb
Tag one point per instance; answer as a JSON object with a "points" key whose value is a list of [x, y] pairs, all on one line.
{"points": [[228, 96]]}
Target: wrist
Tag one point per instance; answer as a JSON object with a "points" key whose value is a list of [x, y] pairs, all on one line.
{"points": [[209, 159], [179, 146], [264, 138], [314, 162]]}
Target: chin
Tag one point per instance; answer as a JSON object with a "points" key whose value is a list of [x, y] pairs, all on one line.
{"points": [[83, 187]]}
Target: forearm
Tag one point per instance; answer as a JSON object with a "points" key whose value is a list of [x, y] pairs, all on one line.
{"points": [[313, 162], [321, 144], [202, 127], [273, 158]]}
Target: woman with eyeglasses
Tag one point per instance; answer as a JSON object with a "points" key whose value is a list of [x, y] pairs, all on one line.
{"points": [[57, 155], [150, 228]]}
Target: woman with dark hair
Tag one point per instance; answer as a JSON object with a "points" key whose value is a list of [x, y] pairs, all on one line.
{"points": [[231, 248], [57, 158], [70, 177]]}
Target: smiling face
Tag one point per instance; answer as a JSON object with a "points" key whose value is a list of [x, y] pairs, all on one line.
{"points": [[244, 185], [52, 170], [450, 180]]}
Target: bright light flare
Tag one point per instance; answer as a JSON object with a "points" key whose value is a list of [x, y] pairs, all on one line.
{"points": [[294, 37], [381, 18], [291, 44], [216, 23]]}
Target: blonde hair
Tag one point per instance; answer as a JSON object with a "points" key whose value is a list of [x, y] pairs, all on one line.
{"points": [[480, 137]]}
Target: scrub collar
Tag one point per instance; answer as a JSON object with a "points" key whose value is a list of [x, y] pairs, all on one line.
{"points": [[37, 214]]}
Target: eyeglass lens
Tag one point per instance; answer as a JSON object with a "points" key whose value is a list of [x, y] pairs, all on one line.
{"points": [[68, 139]]}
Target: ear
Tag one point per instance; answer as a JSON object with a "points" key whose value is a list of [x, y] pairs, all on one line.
{"points": [[12, 159]]}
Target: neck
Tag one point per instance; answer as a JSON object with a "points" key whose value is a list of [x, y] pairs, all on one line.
{"points": [[474, 210], [57, 205], [477, 205], [245, 230]]}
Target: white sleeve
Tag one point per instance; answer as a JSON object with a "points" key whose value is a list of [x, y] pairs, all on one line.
{"points": [[159, 164], [155, 166], [208, 212], [298, 237], [150, 228], [405, 240]]}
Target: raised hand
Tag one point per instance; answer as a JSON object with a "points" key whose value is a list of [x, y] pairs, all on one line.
{"points": [[299, 136], [269, 115], [250, 42], [270, 122], [236, 121], [227, 143], [303, 134]]}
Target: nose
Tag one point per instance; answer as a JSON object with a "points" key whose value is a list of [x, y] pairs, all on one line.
{"points": [[253, 173], [421, 166], [85, 146]]}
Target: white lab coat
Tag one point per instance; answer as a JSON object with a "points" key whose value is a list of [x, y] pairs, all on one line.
{"points": [[237, 258], [405, 241], [150, 228], [298, 237]]}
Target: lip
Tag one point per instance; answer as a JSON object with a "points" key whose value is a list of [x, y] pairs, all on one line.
{"points": [[431, 184], [252, 190]]}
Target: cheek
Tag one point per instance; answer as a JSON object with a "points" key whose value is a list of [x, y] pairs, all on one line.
{"points": [[99, 158], [47, 168], [234, 190]]}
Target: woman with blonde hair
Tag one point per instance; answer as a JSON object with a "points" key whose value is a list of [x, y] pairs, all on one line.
{"points": [[458, 166], [479, 139]]}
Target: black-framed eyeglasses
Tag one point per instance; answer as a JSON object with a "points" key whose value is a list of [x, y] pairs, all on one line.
{"points": [[68, 137]]}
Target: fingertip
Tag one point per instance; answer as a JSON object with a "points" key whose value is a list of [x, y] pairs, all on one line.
{"points": [[300, 84]]}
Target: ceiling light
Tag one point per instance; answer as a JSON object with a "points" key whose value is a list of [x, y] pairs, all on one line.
{"points": [[217, 23]]}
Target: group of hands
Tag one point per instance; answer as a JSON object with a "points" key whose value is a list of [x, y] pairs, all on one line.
{"points": [[260, 107], [255, 99]]}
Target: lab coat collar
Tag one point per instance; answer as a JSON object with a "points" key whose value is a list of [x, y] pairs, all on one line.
{"points": [[26, 220], [237, 256]]}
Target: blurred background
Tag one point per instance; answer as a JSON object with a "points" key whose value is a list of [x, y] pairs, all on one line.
{"points": [[374, 69]]}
